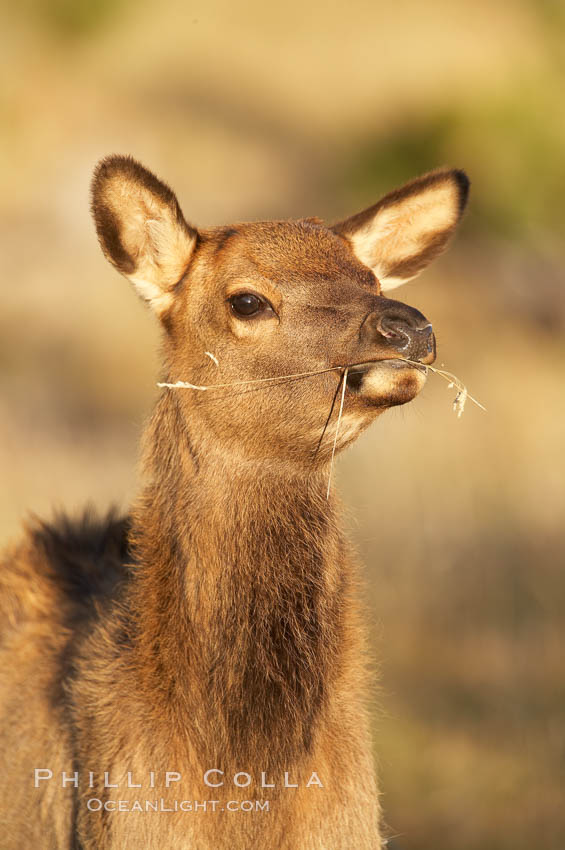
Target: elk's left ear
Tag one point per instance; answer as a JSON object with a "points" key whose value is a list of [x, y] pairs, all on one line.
{"points": [[402, 233]]}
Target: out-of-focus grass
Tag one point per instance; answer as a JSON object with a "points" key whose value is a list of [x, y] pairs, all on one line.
{"points": [[272, 111], [460, 525], [70, 20], [506, 143]]}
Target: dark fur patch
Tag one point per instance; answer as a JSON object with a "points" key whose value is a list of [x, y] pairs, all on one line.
{"points": [[108, 229], [85, 556], [127, 167], [225, 235]]}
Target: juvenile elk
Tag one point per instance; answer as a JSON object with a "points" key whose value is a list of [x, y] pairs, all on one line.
{"points": [[163, 672]]}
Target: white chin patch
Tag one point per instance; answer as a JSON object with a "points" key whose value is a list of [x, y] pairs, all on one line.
{"points": [[386, 381]]}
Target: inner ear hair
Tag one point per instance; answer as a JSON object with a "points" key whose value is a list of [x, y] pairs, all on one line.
{"points": [[403, 232], [141, 228]]}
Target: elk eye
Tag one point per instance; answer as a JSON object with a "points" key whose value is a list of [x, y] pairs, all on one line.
{"points": [[245, 305]]}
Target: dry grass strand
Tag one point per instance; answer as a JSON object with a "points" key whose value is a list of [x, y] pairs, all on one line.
{"points": [[453, 381]]}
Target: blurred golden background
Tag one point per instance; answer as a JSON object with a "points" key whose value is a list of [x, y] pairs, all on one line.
{"points": [[263, 110]]}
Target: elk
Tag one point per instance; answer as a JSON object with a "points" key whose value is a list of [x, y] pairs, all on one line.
{"points": [[208, 647]]}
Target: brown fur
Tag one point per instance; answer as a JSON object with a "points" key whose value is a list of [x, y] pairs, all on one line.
{"points": [[218, 626]]}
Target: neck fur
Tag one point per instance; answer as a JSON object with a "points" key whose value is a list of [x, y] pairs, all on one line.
{"points": [[239, 597]]}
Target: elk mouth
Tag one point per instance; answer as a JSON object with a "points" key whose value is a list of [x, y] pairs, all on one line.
{"points": [[386, 382], [357, 372]]}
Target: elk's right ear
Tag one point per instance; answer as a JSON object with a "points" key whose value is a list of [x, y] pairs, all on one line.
{"points": [[141, 228]]}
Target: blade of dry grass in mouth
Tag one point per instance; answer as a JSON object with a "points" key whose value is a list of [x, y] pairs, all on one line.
{"points": [[453, 381], [338, 423], [184, 385]]}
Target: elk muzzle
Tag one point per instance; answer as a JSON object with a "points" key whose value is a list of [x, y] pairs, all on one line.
{"points": [[400, 331]]}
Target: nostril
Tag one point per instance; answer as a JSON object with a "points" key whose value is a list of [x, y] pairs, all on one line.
{"points": [[402, 329], [409, 335], [396, 329]]}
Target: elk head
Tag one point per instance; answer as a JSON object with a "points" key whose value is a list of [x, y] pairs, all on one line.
{"points": [[267, 299]]}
